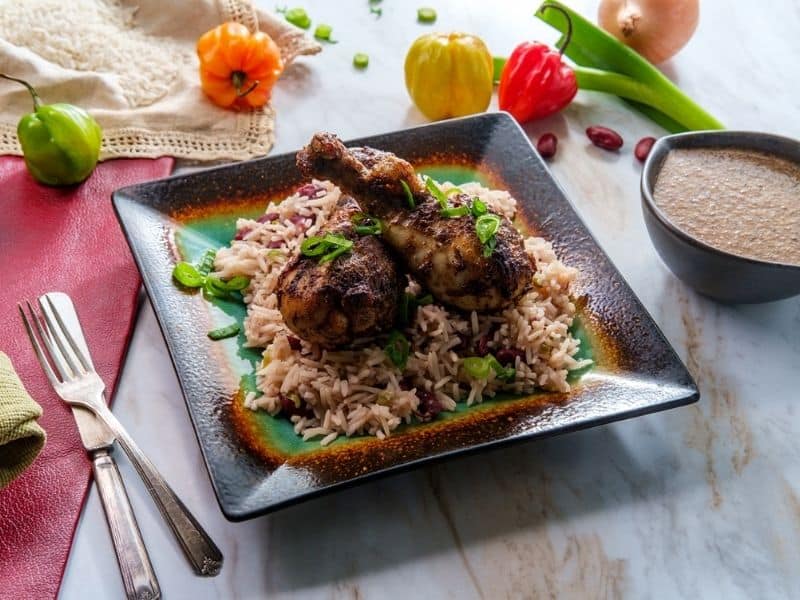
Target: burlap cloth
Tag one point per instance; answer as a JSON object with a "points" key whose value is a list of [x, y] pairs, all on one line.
{"points": [[21, 437], [132, 64]]}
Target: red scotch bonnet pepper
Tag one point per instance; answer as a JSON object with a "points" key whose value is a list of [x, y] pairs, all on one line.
{"points": [[536, 82]]}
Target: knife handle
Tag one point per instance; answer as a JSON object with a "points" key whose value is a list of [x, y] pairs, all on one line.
{"points": [[203, 554], [138, 576]]}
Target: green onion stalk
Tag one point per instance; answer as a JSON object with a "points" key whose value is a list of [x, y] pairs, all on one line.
{"points": [[603, 64]]}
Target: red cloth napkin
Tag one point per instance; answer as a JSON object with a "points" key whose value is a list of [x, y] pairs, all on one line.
{"points": [[68, 240]]}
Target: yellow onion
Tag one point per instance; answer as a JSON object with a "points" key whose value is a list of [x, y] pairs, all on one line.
{"points": [[656, 29], [449, 75]]}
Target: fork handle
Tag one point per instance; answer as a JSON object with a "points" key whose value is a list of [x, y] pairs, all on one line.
{"points": [[203, 554], [137, 572]]}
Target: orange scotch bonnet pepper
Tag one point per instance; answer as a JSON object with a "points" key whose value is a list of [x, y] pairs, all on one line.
{"points": [[238, 68]]}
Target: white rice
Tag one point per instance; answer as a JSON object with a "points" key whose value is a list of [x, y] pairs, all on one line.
{"points": [[358, 390]]}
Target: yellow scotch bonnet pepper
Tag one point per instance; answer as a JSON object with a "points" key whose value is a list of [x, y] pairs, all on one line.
{"points": [[449, 75]]}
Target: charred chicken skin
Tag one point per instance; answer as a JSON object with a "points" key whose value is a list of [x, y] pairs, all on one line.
{"points": [[444, 254], [355, 295]]}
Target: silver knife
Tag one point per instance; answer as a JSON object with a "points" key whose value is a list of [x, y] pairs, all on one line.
{"points": [[138, 575]]}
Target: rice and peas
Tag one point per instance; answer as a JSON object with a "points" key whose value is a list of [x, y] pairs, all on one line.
{"points": [[359, 390]]}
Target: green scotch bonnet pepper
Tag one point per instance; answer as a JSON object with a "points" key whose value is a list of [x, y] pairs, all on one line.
{"points": [[60, 142]]}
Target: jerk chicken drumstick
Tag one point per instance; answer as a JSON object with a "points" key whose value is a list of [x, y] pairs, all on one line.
{"points": [[443, 253], [332, 303]]}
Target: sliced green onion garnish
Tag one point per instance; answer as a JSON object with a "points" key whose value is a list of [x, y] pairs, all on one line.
{"points": [[412, 204], [367, 225], [504, 373], [397, 349], [436, 192], [360, 60], [224, 332], [426, 15], [489, 246], [207, 262], [276, 255], [237, 283], [323, 33], [298, 17], [374, 9], [452, 212], [328, 247], [478, 207], [187, 275], [453, 191], [476, 367], [486, 226]]}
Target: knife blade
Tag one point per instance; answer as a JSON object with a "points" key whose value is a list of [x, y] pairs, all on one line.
{"points": [[138, 576]]}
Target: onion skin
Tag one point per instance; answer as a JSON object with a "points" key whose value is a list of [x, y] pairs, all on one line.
{"points": [[656, 29]]}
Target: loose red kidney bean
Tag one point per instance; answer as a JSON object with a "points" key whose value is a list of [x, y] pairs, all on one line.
{"points": [[643, 147], [604, 138], [547, 145]]}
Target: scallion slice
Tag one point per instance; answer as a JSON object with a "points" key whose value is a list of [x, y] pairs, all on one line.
{"points": [[452, 212], [397, 349], [436, 192], [412, 204], [323, 33], [207, 262], [478, 207], [453, 191], [486, 227], [426, 15], [224, 332], [476, 367], [360, 60], [298, 17], [187, 275], [367, 225]]}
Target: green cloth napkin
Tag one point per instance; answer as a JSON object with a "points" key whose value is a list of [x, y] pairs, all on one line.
{"points": [[21, 437]]}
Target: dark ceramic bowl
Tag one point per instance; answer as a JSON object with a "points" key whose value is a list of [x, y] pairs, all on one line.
{"points": [[715, 273]]}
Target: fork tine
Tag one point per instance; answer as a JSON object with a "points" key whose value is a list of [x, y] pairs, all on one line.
{"points": [[65, 330], [44, 335], [37, 348], [56, 331]]}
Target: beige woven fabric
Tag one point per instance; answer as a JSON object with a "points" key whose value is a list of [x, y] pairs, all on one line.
{"points": [[132, 64], [21, 437]]}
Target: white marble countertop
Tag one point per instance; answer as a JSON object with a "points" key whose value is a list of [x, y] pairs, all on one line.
{"points": [[697, 502]]}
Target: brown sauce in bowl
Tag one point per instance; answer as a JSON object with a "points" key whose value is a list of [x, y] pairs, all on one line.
{"points": [[740, 201]]}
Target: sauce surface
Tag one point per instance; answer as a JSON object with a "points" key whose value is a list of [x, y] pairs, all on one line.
{"points": [[740, 201]]}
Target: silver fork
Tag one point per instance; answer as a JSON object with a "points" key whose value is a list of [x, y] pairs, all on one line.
{"points": [[77, 383]]}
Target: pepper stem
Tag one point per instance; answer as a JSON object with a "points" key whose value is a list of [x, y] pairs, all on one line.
{"points": [[567, 36], [238, 78], [36, 100]]}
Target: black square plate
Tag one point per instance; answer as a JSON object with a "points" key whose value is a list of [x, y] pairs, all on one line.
{"points": [[256, 462]]}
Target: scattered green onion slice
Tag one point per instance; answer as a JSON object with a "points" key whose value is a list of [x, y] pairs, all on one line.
{"points": [[367, 225], [436, 192], [237, 283], [323, 33], [224, 332], [426, 15], [452, 212], [327, 248], [298, 17], [360, 60], [504, 373], [478, 207], [207, 262], [486, 226], [489, 246], [397, 349], [276, 255], [476, 367], [412, 204], [374, 9], [187, 275], [453, 191]]}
